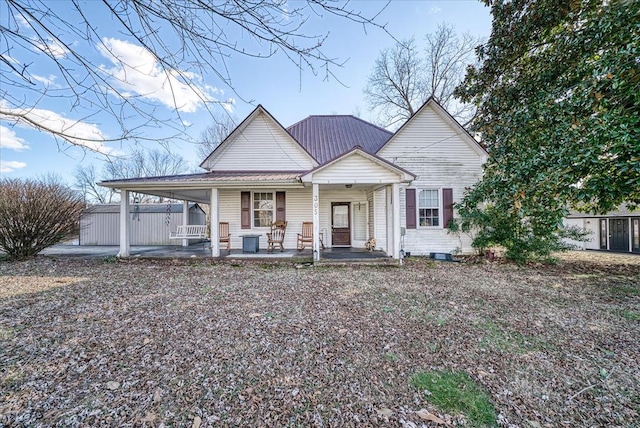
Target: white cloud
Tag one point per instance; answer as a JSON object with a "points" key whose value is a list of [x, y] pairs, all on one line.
{"points": [[9, 140], [434, 10], [77, 132], [137, 72], [47, 81], [9, 166], [52, 47]]}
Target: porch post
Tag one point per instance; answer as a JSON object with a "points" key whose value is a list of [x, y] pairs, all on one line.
{"points": [[390, 232], [396, 220], [214, 232], [185, 219], [316, 222], [124, 224]]}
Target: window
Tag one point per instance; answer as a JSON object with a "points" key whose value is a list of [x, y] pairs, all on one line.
{"points": [[263, 207], [603, 234], [635, 232], [429, 208]]}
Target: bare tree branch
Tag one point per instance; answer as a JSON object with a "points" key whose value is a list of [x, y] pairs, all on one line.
{"points": [[402, 78], [186, 42]]}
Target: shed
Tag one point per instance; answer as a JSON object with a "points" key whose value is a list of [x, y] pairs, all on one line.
{"points": [[150, 223]]}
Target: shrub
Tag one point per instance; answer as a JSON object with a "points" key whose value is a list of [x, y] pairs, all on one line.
{"points": [[532, 238], [36, 214]]}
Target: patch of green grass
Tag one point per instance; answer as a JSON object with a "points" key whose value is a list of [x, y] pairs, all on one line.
{"points": [[624, 290], [390, 357], [507, 341], [110, 259], [629, 315], [457, 393]]}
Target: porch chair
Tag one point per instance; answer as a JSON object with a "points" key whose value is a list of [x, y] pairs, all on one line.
{"points": [[276, 236], [306, 237], [225, 237]]}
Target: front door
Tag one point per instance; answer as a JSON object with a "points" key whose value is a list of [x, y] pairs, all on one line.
{"points": [[619, 234], [340, 224]]}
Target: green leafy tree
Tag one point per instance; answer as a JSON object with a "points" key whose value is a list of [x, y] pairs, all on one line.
{"points": [[36, 214], [558, 97]]}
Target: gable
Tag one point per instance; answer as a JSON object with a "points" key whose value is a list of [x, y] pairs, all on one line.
{"points": [[259, 144], [432, 133], [357, 167]]}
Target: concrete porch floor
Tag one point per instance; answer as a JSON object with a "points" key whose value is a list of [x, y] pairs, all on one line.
{"points": [[202, 251]]}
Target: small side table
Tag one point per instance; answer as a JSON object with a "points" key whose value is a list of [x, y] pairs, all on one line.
{"points": [[250, 243]]}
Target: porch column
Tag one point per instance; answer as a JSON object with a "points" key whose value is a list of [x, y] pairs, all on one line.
{"points": [[316, 222], [125, 222], [214, 232], [390, 232], [185, 220], [396, 220]]}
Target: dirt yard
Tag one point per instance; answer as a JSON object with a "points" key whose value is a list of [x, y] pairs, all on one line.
{"points": [[174, 343]]}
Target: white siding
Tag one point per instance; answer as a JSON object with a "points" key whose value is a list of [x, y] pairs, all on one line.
{"points": [[590, 224], [298, 210], [380, 213], [327, 196], [593, 225], [355, 168], [441, 157], [371, 222], [262, 146]]}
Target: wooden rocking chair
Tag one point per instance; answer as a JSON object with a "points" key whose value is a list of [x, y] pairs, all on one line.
{"points": [[225, 237], [306, 237], [276, 236]]}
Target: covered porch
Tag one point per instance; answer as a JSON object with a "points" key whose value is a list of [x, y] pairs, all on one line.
{"points": [[350, 201]]}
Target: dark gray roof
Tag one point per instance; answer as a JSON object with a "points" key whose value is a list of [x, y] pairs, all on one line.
{"points": [[327, 137], [142, 208]]}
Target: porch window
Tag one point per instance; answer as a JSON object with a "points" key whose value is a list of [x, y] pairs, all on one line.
{"points": [[429, 208], [263, 207]]}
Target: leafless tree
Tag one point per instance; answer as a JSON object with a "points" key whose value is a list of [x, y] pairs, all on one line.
{"points": [[184, 42], [141, 163], [214, 134], [396, 86], [403, 78], [86, 181], [35, 214], [145, 163]]}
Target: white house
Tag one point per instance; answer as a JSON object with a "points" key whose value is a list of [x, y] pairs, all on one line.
{"points": [[617, 231], [352, 179]]}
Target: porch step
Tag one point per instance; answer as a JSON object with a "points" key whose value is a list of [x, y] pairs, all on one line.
{"points": [[357, 261]]}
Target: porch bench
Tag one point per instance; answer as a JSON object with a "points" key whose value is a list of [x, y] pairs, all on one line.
{"points": [[191, 231]]}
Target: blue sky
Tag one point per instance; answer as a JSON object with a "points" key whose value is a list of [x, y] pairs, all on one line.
{"points": [[275, 83]]}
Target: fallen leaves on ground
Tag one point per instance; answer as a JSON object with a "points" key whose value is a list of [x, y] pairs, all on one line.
{"points": [[177, 343]]}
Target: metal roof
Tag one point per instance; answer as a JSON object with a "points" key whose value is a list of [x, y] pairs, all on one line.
{"points": [[212, 176], [327, 137], [142, 208]]}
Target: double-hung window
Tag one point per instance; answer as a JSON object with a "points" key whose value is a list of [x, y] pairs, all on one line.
{"points": [[263, 208], [428, 207]]}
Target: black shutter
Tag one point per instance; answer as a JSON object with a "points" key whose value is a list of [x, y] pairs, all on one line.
{"points": [[447, 205], [410, 196], [245, 210], [281, 210]]}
